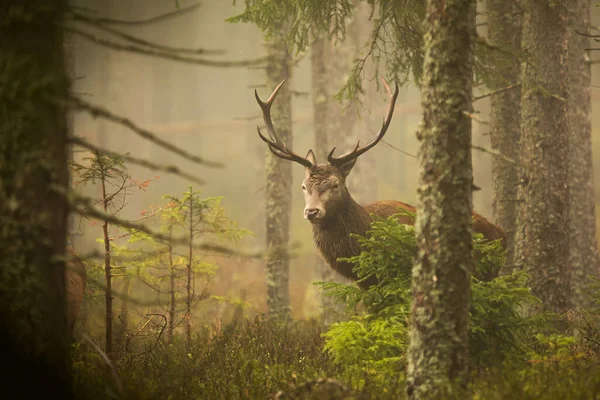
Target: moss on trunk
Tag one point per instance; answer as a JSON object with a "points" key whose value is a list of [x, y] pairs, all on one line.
{"points": [[541, 242], [438, 351], [505, 35], [34, 336], [583, 248]]}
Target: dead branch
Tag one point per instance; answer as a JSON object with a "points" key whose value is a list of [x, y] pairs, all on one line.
{"points": [[97, 111], [77, 201], [494, 92], [397, 149], [164, 54], [171, 169], [494, 153], [474, 118], [111, 366], [100, 25], [152, 20]]}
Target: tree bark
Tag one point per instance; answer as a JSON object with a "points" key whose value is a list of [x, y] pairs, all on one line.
{"points": [[279, 185], [541, 242], [34, 338], [583, 248], [438, 351], [505, 34]]}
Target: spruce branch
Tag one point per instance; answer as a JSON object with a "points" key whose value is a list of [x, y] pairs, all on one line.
{"points": [[139, 161]]}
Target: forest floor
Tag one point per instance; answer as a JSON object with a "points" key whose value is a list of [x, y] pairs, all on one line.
{"points": [[256, 359]]}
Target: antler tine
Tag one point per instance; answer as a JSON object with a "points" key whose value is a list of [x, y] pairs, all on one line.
{"points": [[358, 150], [276, 145]]}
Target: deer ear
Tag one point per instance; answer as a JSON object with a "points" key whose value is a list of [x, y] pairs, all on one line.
{"points": [[347, 167], [310, 156]]}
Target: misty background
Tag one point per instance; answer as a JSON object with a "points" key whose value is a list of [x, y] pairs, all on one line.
{"points": [[212, 112]]}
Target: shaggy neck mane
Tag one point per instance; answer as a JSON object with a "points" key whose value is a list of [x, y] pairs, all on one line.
{"points": [[332, 235]]}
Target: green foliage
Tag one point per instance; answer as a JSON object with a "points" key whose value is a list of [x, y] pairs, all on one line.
{"points": [[395, 42], [498, 327]]}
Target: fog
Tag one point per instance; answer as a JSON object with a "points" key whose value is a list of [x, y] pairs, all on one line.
{"points": [[211, 112]]}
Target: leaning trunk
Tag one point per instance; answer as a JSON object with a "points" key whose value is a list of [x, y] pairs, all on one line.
{"points": [[583, 248], [541, 242], [438, 350], [34, 341], [278, 185], [505, 35]]}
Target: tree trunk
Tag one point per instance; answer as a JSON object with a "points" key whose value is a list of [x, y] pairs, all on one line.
{"points": [[583, 250], [438, 351], [279, 185], [541, 242], [505, 33], [189, 292], [108, 297], [34, 341]]}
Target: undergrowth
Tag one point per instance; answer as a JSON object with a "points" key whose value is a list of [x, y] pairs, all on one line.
{"points": [[513, 355]]}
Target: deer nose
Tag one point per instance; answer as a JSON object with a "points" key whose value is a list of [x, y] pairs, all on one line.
{"points": [[311, 213]]}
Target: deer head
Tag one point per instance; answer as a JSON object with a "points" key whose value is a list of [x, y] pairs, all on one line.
{"points": [[324, 186]]}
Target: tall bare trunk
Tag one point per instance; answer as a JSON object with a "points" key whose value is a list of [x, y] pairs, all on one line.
{"points": [[108, 297], [505, 35], [34, 339], [583, 248], [541, 242], [189, 290], [171, 289], [279, 184], [438, 351]]}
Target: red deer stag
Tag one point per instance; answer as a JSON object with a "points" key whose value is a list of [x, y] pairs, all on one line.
{"points": [[330, 209]]}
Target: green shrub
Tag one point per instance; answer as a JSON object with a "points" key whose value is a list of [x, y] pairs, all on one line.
{"points": [[376, 341]]}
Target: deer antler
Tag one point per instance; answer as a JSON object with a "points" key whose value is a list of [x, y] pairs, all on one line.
{"points": [[276, 145], [343, 159]]}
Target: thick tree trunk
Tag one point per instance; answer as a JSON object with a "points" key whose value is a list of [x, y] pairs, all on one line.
{"points": [[279, 186], [583, 248], [541, 242], [505, 33], [438, 351], [34, 338]]}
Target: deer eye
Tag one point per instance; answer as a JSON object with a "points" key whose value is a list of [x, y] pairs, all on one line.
{"points": [[303, 187]]}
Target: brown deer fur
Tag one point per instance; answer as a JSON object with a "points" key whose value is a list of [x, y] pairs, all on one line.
{"points": [[75, 276], [332, 233]]}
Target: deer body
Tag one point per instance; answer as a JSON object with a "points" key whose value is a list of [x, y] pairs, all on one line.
{"points": [[330, 208], [75, 280]]}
